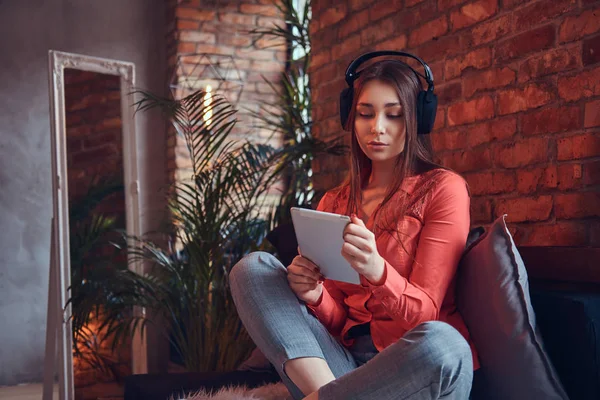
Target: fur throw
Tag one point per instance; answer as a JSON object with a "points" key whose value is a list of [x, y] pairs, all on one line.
{"points": [[274, 391]]}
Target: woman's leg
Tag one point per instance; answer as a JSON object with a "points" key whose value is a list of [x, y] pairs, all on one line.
{"points": [[280, 324], [432, 361]]}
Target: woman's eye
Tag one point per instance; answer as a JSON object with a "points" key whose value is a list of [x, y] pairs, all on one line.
{"points": [[391, 116]]}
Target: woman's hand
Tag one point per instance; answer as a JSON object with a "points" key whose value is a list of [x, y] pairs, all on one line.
{"points": [[305, 280], [360, 250]]}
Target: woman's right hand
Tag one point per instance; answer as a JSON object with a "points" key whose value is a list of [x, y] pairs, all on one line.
{"points": [[305, 280]]}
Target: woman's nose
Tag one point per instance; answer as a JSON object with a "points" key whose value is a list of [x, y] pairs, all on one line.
{"points": [[378, 124]]}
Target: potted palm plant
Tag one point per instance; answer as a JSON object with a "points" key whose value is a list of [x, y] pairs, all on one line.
{"points": [[215, 220]]}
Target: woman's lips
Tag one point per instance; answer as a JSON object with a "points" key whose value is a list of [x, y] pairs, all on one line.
{"points": [[376, 145]]}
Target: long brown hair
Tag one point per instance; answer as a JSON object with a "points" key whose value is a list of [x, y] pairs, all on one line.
{"points": [[417, 156]]}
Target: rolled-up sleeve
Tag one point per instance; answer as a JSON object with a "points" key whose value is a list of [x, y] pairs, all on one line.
{"points": [[330, 310]]}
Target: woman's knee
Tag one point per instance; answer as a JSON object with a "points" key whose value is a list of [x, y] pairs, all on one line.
{"points": [[436, 344], [251, 266], [445, 345]]}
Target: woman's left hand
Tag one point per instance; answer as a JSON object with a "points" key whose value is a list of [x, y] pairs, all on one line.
{"points": [[360, 250]]}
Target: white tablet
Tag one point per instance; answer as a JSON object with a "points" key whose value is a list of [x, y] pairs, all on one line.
{"points": [[320, 239]]}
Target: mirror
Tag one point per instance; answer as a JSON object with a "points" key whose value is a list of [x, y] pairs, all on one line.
{"points": [[95, 195]]}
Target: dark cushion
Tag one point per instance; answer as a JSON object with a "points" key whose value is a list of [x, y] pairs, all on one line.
{"points": [[283, 238], [493, 298], [570, 325]]}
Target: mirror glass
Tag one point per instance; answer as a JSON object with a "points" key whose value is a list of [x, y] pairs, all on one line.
{"points": [[97, 215]]}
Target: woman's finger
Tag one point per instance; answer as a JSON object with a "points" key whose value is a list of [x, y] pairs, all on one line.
{"points": [[302, 279], [306, 263], [299, 270], [357, 230], [351, 252], [358, 241], [351, 260], [357, 221], [303, 287]]}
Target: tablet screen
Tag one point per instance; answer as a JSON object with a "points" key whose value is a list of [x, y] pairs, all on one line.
{"points": [[320, 239]]}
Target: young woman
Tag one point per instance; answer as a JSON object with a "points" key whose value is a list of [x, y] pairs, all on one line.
{"points": [[398, 335]]}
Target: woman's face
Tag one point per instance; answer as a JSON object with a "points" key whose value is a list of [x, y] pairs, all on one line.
{"points": [[379, 124]]}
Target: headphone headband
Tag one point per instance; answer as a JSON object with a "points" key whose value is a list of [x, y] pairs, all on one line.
{"points": [[426, 100], [351, 74]]}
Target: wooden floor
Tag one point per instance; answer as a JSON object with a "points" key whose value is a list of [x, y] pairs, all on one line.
{"points": [[32, 391], [104, 391]]}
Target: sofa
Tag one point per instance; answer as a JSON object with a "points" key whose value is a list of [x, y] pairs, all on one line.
{"points": [[564, 285]]}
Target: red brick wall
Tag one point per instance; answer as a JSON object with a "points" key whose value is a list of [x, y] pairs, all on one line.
{"points": [[519, 90], [94, 140], [220, 27]]}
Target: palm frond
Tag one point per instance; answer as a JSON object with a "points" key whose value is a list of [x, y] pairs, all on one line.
{"points": [[290, 115], [215, 219]]}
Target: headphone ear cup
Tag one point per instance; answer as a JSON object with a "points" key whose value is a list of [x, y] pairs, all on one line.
{"points": [[426, 110], [345, 105]]}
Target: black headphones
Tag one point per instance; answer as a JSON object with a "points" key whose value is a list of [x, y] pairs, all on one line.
{"points": [[426, 101]]}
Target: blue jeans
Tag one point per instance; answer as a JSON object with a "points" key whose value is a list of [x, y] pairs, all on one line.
{"points": [[431, 361]]}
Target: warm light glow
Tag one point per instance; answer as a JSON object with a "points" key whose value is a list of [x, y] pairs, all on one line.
{"points": [[207, 102], [95, 356], [90, 333]]}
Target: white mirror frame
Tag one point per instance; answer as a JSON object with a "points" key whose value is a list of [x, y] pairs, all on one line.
{"points": [[59, 328]]}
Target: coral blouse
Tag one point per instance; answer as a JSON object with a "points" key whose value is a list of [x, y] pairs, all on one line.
{"points": [[421, 253]]}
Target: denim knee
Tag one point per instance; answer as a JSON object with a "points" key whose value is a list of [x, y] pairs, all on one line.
{"points": [[445, 346], [253, 265]]}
